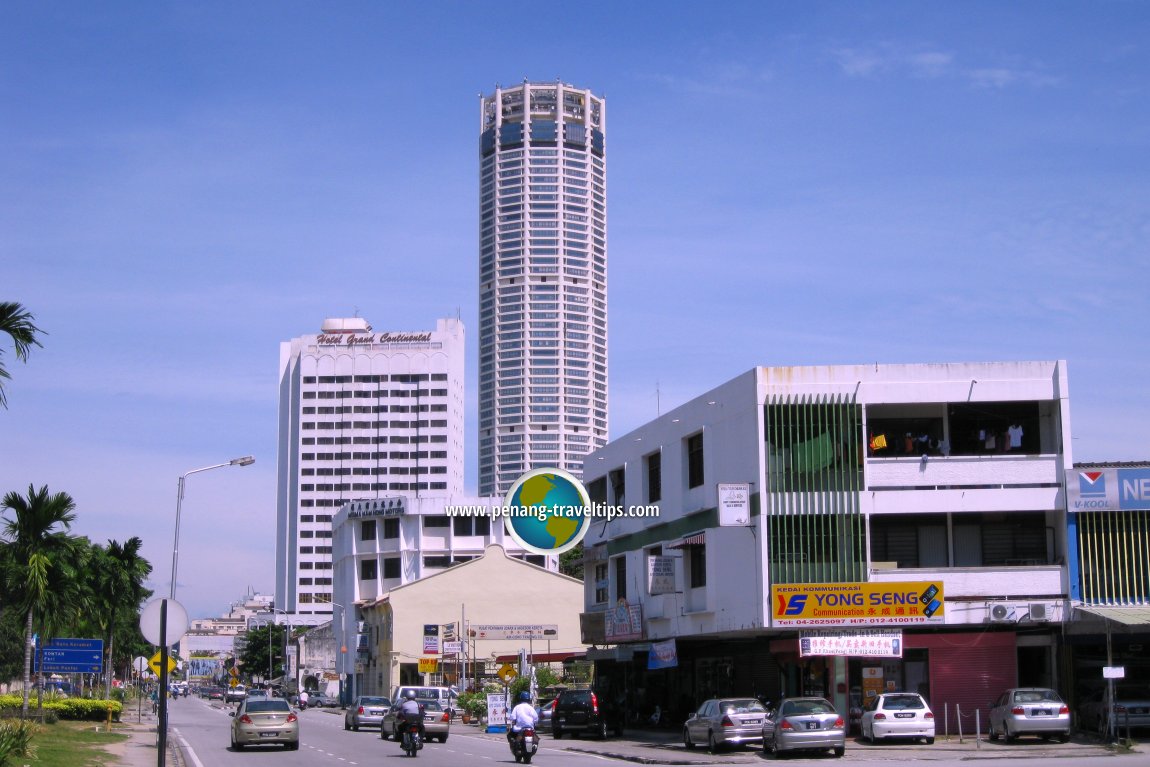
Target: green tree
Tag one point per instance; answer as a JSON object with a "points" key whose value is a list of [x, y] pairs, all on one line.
{"points": [[261, 651], [40, 561], [117, 591], [16, 321], [571, 561]]}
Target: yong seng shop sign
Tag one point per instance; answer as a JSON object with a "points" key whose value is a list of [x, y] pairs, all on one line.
{"points": [[857, 604]]}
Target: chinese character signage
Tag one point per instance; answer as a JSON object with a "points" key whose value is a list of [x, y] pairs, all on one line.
{"points": [[660, 575], [624, 622], [857, 604], [864, 643]]}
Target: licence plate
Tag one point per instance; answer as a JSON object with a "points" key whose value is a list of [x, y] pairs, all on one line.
{"points": [[1041, 712], [268, 734], [752, 721], [904, 716], [1137, 711], [812, 725]]}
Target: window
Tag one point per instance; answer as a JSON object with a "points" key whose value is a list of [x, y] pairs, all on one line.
{"points": [[695, 460], [390, 528], [471, 525], [601, 583], [434, 522], [621, 577], [654, 465], [697, 564], [368, 570], [597, 490], [367, 530], [619, 486], [391, 567]]}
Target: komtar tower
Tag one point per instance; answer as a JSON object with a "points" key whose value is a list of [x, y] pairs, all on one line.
{"points": [[542, 281]]}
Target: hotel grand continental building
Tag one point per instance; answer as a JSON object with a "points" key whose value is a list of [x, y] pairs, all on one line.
{"points": [[542, 281], [363, 415]]}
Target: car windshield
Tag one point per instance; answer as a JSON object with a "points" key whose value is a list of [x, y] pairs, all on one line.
{"points": [[1036, 696], [429, 705], [373, 701], [265, 706], [902, 702], [741, 706], [805, 707]]}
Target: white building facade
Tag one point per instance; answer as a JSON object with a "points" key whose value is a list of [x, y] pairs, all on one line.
{"points": [[363, 414], [941, 481], [385, 543], [542, 281]]}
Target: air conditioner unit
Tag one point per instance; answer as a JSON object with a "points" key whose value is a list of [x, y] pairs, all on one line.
{"points": [[1039, 611], [1001, 612]]}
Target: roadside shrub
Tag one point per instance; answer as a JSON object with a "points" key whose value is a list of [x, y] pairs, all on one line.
{"points": [[80, 709], [16, 741]]}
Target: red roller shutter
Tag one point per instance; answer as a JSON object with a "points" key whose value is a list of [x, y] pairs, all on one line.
{"points": [[970, 671]]}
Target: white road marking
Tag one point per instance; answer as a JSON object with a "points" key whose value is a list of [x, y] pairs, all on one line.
{"points": [[187, 748]]}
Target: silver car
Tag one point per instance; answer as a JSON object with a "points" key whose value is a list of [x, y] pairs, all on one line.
{"points": [[436, 720], [1029, 711], [897, 715], [805, 724], [1131, 708], [365, 711], [265, 722], [721, 722]]}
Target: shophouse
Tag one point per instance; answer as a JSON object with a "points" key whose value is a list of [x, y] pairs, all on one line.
{"points": [[837, 531], [1108, 512]]}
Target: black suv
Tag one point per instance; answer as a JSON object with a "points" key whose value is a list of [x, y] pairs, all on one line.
{"points": [[585, 711]]}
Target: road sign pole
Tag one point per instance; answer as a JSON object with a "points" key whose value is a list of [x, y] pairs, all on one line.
{"points": [[162, 693]]}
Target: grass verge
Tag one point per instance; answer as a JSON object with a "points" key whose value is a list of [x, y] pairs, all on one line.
{"points": [[72, 744]]}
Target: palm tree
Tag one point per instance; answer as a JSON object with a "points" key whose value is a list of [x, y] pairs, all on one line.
{"points": [[118, 589], [16, 321], [38, 556]]}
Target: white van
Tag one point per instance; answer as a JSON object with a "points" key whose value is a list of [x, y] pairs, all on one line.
{"points": [[444, 695]]}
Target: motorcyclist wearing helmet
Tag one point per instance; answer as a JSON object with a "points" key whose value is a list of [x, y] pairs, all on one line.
{"points": [[522, 717], [410, 713]]}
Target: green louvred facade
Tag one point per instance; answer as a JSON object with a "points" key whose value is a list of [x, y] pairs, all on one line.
{"points": [[814, 452]]}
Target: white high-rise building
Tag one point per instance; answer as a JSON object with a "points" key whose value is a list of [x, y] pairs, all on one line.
{"points": [[363, 415], [542, 281]]}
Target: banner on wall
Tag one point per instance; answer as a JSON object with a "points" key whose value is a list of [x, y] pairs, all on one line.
{"points": [[663, 655], [858, 643]]}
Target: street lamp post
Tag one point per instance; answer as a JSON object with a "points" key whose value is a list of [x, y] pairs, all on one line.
{"points": [[246, 460], [287, 639]]}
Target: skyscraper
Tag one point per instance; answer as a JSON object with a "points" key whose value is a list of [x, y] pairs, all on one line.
{"points": [[542, 281], [362, 415]]}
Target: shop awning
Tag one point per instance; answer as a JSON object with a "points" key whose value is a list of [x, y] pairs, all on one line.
{"points": [[698, 539], [1127, 616]]}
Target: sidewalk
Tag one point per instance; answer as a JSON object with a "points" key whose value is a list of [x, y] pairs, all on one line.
{"points": [[666, 747], [139, 750]]}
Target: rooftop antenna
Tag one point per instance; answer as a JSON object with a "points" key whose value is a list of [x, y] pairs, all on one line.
{"points": [[658, 401]]}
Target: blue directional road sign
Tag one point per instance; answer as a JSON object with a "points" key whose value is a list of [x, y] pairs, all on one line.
{"points": [[71, 656]]}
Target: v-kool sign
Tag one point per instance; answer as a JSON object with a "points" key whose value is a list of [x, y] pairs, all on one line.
{"points": [[1107, 490]]}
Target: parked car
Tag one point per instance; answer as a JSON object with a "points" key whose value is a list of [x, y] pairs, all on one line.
{"points": [[1029, 711], [325, 701], [545, 707], [804, 724], [265, 721], [436, 720], [1131, 707], [585, 711], [897, 715], [215, 693], [366, 711], [722, 722]]}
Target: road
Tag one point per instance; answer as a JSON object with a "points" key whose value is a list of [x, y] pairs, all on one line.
{"points": [[200, 729]]}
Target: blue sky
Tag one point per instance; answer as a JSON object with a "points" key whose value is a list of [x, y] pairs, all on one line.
{"points": [[185, 185]]}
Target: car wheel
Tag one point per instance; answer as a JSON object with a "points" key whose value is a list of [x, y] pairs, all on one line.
{"points": [[602, 730], [1064, 737], [869, 736], [556, 733], [687, 742], [346, 726], [355, 726], [236, 745], [840, 750], [1010, 736], [712, 744], [442, 738], [292, 746], [929, 741], [768, 745], [992, 733]]}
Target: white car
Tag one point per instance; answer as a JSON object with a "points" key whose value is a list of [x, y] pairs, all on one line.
{"points": [[897, 715]]}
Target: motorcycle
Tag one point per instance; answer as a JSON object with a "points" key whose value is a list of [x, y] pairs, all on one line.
{"points": [[524, 744], [411, 740]]}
